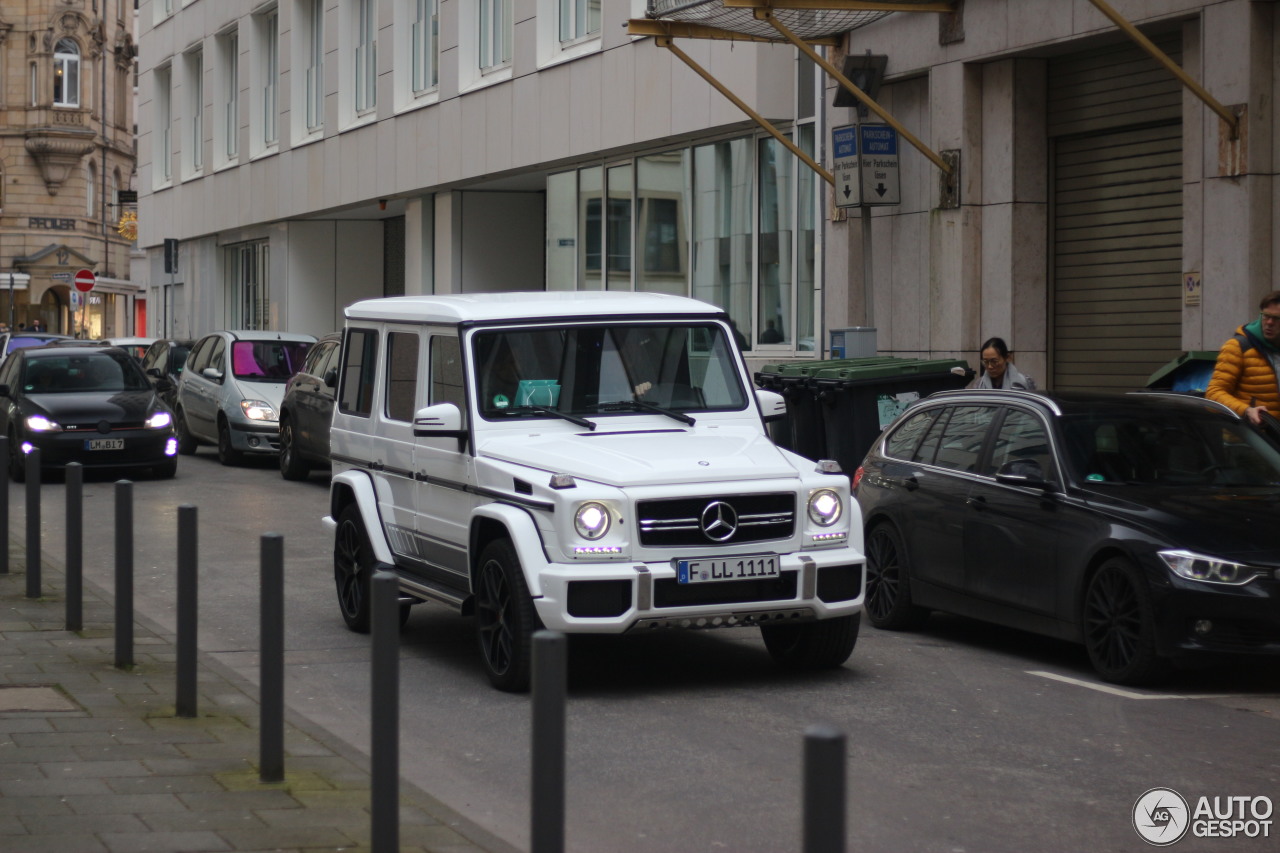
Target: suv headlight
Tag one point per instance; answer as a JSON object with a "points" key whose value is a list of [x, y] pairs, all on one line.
{"points": [[39, 423], [591, 520], [160, 420], [258, 410], [1198, 567], [825, 507]]}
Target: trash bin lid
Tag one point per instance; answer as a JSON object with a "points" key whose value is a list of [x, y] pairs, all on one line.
{"points": [[868, 370], [1188, 360]]}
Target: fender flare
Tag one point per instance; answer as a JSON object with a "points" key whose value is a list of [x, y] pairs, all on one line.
{"points": [[524, 536], [360, 485]]}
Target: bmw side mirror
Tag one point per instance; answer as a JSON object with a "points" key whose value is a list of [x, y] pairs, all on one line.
{"points": [[1023, 472]]}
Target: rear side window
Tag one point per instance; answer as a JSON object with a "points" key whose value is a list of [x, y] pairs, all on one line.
{"points": [[359, 358], [906, 438], [962, 439], [402, 375], [1021, 436]]}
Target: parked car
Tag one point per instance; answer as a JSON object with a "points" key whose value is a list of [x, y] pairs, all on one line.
{"points": [[1141, 525], [163, 362], [230, 391], [135, 346], [307, 410], [10, 341], [90, 405], [588, 462]]}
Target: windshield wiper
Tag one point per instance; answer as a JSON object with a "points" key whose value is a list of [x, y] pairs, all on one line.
{"points": [[642, 406], [543, 410]]}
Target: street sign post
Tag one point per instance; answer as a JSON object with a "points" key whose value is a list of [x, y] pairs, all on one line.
{"points": [[60, 276], [845, 165], [878, 146], [85, 280]]}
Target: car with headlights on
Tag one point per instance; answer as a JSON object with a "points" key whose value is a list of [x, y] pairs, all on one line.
{"points": [[1141, 525], [90, 404], [230, 391]]}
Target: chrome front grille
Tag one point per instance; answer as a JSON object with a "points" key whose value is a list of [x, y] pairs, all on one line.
{"points": [[716, 520]]}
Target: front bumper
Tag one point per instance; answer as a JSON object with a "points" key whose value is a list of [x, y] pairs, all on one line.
{"points": [[1200, 618], [142, 448], [255, 437], [616, 598]]}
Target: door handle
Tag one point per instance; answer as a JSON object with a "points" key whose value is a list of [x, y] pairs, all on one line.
{"points": [[977, 503], [911, 483]]}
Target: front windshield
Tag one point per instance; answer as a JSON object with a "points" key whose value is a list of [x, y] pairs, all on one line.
{"points": [[267, 361], [71, 374], [1169, 448], [590, 370]]}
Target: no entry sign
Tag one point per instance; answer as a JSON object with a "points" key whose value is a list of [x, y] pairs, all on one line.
{"points": [[85, 280]]}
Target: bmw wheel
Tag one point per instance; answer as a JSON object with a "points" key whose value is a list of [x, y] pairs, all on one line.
{"points": [[292, 465], [888, 602], [1119, 625], [505, 618]]}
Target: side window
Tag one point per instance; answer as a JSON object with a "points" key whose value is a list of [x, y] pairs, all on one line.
{"points": [[199, 358], [149, 358], [8, 373], [355, 396], [963, 436], [929, 447], [1021, 436], [218, 358], [906, 438], [402, 375], [315, 358], [447, 384]]}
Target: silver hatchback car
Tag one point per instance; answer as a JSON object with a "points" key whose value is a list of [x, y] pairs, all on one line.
{"points": [[230, 391]]}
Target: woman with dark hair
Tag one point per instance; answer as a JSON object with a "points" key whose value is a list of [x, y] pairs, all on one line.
{"points": [[998, 371]]}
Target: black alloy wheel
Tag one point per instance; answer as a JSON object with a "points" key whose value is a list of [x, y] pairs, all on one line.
{"points": [[888, 602], [352, 568], [187, 443], [292, 465], [505, 618], [812, 645], [1119, 625]]}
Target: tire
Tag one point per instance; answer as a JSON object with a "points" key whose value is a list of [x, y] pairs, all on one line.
{"points": [[292, 465], [1118, 621], [187, 443], [812, 645], [165, 470], [352, 569], [17, 461], [505, 618], [227, 454], [888, 602]]}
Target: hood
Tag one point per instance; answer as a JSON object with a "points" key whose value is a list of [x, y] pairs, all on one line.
{"points": [[92, 406], [269, 392], [1227, 522], [645, 455]]}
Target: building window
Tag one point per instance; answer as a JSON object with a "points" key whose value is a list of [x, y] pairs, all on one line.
{"points": [[227, 118], [91, 184], [579, 19], [264, 82], [194, 143], [496, 29], [162, 140], [425, 35], [314, 95], [366, 56], [66, 74], [249, 285]]}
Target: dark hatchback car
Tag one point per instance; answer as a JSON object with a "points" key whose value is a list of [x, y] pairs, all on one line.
{"points": [[307, 410], [1141, 525], [163, 362], [88, 404]]}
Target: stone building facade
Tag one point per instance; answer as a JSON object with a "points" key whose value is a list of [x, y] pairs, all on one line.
{"points": [[66, 150]]}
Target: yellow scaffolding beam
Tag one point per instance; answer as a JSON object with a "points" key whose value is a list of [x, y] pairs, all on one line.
{"points": [[843, 5], [681, 29]]}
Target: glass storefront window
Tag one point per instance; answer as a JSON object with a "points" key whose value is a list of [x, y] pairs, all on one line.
{"points": [[562, 231], [590, 227], [722, 230], [618, 229], [661, 229], [774, 254], [807, 247]]}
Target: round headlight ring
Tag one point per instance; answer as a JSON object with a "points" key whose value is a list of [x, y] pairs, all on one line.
{"points": [[825, 507], [591, 520]]}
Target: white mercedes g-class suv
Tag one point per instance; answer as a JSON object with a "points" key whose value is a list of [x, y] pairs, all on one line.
{"points": [[588, 462]]}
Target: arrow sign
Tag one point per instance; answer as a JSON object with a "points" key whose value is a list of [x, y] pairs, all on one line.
{"points": [[878, 145], [844, 165], [85, 280]]}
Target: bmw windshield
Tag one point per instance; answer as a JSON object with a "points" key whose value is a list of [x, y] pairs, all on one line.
{"points": [[602, 369]]}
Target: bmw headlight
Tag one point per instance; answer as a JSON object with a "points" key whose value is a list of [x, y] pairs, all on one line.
{"points": [[1198, 567], [160, 420], [39, 423], [591, 520], [825, 507], [258, 410]]}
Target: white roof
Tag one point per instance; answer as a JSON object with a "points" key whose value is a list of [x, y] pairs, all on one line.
{"points": [[531, 305]]}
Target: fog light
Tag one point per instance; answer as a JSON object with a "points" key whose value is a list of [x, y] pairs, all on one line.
{"points": [[1202, 626], [171, 447], [27, 447], [253, 441]]}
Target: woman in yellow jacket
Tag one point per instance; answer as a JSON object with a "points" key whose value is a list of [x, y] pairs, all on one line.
{"points": [[1245, 376]]}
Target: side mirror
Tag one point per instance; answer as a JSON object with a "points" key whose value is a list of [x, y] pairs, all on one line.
{"points": [[1023, 472], [773, 406], [331, 377], [443, 420], [155, 372], [212, 373]]}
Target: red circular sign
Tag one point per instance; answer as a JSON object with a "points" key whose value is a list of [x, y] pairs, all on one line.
{"points": [[85, 280]]}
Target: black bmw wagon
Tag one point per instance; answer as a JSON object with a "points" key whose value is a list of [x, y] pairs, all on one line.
{"points": [[1145, 526]]}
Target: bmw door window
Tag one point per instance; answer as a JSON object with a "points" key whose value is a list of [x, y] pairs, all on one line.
{"points": [[904, 441], [1021, 436], [962, 438]]}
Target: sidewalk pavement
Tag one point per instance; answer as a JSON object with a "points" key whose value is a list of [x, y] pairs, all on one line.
{"points": [[94, 758]]}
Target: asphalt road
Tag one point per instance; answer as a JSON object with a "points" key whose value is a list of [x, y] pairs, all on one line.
{"points": [[961, 737]]}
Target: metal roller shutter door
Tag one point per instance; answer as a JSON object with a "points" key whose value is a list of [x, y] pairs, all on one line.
{"points": [[1117, 218]]}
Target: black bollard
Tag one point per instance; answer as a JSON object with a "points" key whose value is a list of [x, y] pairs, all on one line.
{"points": [[824, 784], [547, 800], [384, 592], [188, 611], [75, 546], [33, 523], [124, 574], [4, 506], [271, 724]]}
